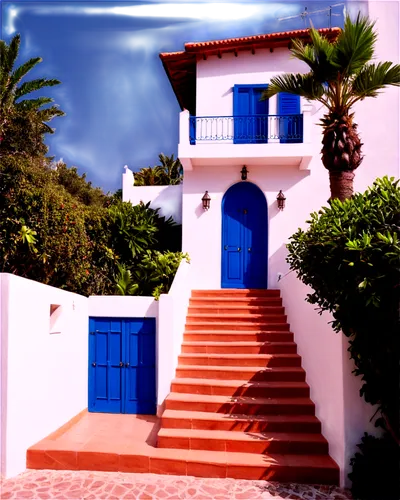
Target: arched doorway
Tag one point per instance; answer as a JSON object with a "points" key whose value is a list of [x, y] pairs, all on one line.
{"points": [[244, 237]]}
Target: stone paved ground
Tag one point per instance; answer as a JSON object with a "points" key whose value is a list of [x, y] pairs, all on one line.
{"points": [[52, 484]]}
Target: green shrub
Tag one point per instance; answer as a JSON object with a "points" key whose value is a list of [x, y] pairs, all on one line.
{"points": [[375, 473], [350, 257], [57, 229]]}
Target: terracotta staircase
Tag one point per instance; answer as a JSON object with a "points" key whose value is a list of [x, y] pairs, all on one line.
{"points": [[240, 398]]}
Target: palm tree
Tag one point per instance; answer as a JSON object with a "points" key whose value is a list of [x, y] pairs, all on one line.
{"points": [[172, 168], [341, 74], [147, 177], [15, 110], [169, 172]]}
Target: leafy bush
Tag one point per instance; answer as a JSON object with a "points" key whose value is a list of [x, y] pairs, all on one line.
{"points": [[56, 228], [379, 458], [350, 256]]}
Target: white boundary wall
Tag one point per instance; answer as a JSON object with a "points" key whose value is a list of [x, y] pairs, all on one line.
{"points": [[44, 364]]}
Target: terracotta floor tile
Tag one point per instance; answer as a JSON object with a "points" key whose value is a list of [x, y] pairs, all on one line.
{"points": [[134, 463], [90, 460]]}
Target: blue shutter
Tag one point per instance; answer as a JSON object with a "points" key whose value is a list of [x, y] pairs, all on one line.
{"points": [[192, 129], [241, 109], [291, 123], [260, 123]]}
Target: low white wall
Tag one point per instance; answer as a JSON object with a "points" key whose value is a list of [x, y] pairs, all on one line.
{"points": [[334, 389], [44, 375], [167, 198], [172, 318]]}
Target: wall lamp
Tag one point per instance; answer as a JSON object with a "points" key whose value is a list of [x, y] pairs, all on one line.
{"points": [[244, 173], [206, 200], [281, 200]]}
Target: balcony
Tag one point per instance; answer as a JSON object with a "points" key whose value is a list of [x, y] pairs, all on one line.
{"points": [[260, 129], [249, 140]]}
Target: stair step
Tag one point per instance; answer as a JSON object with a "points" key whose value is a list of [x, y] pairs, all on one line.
{"points": [[181, 419], [235, 301], [239, 404], [231, 317], [235, 325], [240, 388], [229, 335], [240, 347], [219, 309], [234, 292], [259, 360], [243, 442], [248, 373]]}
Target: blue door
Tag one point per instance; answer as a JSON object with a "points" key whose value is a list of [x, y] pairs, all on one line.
{"points": [[244, 237], [250, 114], [122, 365], [290, 121]]}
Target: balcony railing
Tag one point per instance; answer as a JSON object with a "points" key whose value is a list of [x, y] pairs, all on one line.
{"points": [[247, 129]]}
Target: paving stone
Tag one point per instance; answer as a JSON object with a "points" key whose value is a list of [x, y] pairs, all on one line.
{"points": [[58, 484]]}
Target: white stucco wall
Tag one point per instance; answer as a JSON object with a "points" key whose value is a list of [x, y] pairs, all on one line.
{"points": [[44, 375], [167, 198]]}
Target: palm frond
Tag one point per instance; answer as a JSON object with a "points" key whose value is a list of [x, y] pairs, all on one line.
{"points": [[298, 84], [33, 104], [303, 52], [31, 86], [355, 45], [48, 114], [22, 70], [11, 53], [375, 77]]}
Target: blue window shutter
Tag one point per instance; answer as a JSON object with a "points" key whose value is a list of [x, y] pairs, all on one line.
{"points": [[192, 129], [291, 128]]}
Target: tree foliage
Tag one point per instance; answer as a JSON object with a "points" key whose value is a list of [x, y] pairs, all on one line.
{"points": [[57, 229], [350, 257], [23, 122]]}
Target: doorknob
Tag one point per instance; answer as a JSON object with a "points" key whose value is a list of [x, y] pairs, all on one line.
{"points": [[226, 247], [127, 365], [121, 364], [249, 249], [93, 364], [239, 249]]}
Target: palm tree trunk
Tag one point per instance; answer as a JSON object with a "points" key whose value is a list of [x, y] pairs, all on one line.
{"points": [[341, 183]]}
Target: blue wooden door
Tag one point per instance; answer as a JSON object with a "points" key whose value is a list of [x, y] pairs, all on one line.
{"points": [[140, 369], [122, 365], [291, 122], [244, 237], [105, 368], [250, 114]]}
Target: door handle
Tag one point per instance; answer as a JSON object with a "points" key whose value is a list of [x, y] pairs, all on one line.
{"points": [[239, 249], [93, 364], [127, 365], [249, 249], [121, 364], [226, 247]]}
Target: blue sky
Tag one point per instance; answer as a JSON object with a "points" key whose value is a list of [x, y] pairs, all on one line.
{"points": [[119, 103]]}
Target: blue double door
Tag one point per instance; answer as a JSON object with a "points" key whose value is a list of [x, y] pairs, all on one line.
{"points": [[122, 371], [244, 237]]}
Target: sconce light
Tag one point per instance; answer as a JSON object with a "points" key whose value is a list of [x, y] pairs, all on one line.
{"points": [[281, 200], [244, 173], [206, 200]]}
